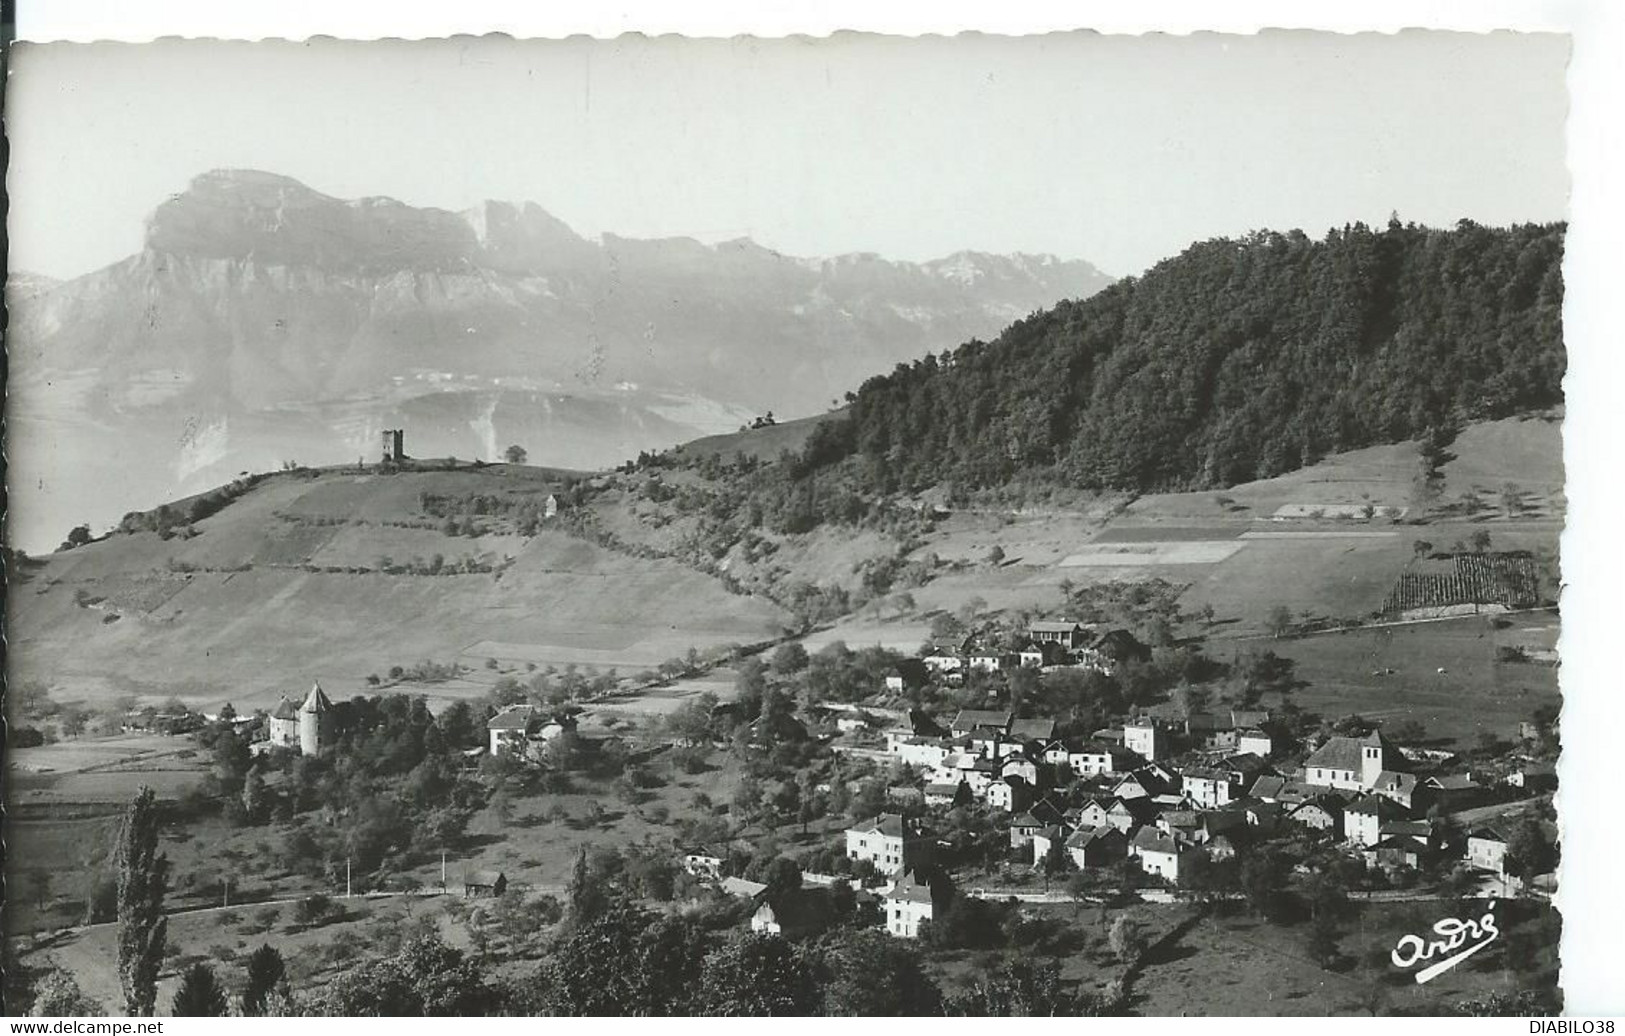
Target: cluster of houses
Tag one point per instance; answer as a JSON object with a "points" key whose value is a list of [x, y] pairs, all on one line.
{"points": [[1048, 645], [1120, 794]]}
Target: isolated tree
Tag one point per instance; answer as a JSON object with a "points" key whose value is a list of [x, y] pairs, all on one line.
{"points": [[972, 609], [783, 877], [1278, 621], [515, 454], [1421, 548], [254, 797], [199, 995], [142, 927], [903, 604], [1126, 940], [585, 894], [1480, 541], [265, 973], [1512, 499], [789, 658], [78, 536]]}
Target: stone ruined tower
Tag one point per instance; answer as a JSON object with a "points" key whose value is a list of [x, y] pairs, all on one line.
{"points": [[316, 722], [394, 445]]}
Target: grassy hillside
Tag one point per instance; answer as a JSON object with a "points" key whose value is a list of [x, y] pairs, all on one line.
{"points": [[765, 443], [325, 577]]}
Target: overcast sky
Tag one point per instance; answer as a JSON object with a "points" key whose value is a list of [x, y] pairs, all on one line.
{"points": [[1119, 150]]}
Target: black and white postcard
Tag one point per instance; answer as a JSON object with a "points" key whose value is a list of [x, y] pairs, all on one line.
{"points": [[939, 525]]}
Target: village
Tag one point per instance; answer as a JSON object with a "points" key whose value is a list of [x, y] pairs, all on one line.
{"points": [[1166, 803]]}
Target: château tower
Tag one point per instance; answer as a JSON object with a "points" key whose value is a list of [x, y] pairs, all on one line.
{"points": [[394, 445]]}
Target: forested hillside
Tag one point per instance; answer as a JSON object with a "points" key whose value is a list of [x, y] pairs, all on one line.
{"points": [[1236, 360]]}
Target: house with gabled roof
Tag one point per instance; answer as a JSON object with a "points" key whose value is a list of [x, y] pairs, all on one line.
{"points": [[1210, 787], [1022, 828], [1093, 812], [1364, 817], [1323, 813], [966, 721], [913, 901], [948, 794], [283, 724], [1159, 854], [1128, 814], [1404, 788], [1011, 794], [1065, 633], [1255, 741], [1487, 849], [890, 841], [1096, 847], [1098, 758], [1268, 788], [1037, 728]]}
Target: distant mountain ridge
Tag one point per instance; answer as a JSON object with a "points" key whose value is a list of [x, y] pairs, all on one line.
{"points": [[256, 298]]}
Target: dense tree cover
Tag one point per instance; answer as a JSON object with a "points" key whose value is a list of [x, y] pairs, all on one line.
{"points": [[424, 979], [1236, 360]]}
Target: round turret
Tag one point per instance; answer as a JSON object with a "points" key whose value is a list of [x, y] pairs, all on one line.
{"points": [[316, 722]]}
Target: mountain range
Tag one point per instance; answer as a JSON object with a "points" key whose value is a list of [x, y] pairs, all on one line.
{"points": [[264, 321]]}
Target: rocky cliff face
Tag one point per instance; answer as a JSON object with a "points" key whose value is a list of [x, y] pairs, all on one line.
{"points": [[260, 304]]}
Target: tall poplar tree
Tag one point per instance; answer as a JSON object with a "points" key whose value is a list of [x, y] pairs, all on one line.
{"points": [[142, 926]]}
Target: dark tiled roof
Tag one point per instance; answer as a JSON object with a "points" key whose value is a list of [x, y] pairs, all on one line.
{"points": [[1033, 729], [1149, 839], [970, 719], [889, 824], [285, 710]]}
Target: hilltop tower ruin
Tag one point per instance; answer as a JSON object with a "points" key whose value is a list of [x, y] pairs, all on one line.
{"points": [[317, 722], [394, 445]]}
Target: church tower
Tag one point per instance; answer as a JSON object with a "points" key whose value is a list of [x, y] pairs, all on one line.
{"points": [[1371, 759], [316, 722]]}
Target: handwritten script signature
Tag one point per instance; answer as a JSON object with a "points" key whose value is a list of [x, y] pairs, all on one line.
{"points": [[1452, 934]]}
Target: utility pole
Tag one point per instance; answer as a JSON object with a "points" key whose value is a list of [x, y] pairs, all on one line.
{"points": [[442, 870], [225, 891], [346, 877]]}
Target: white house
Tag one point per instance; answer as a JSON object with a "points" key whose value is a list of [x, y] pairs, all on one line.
{"points": [[890, 842], [1255, 742], [1363, 819], [1209, 788], [1158, 853], [909, 904], [1142, 739], [1487, 850]]}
